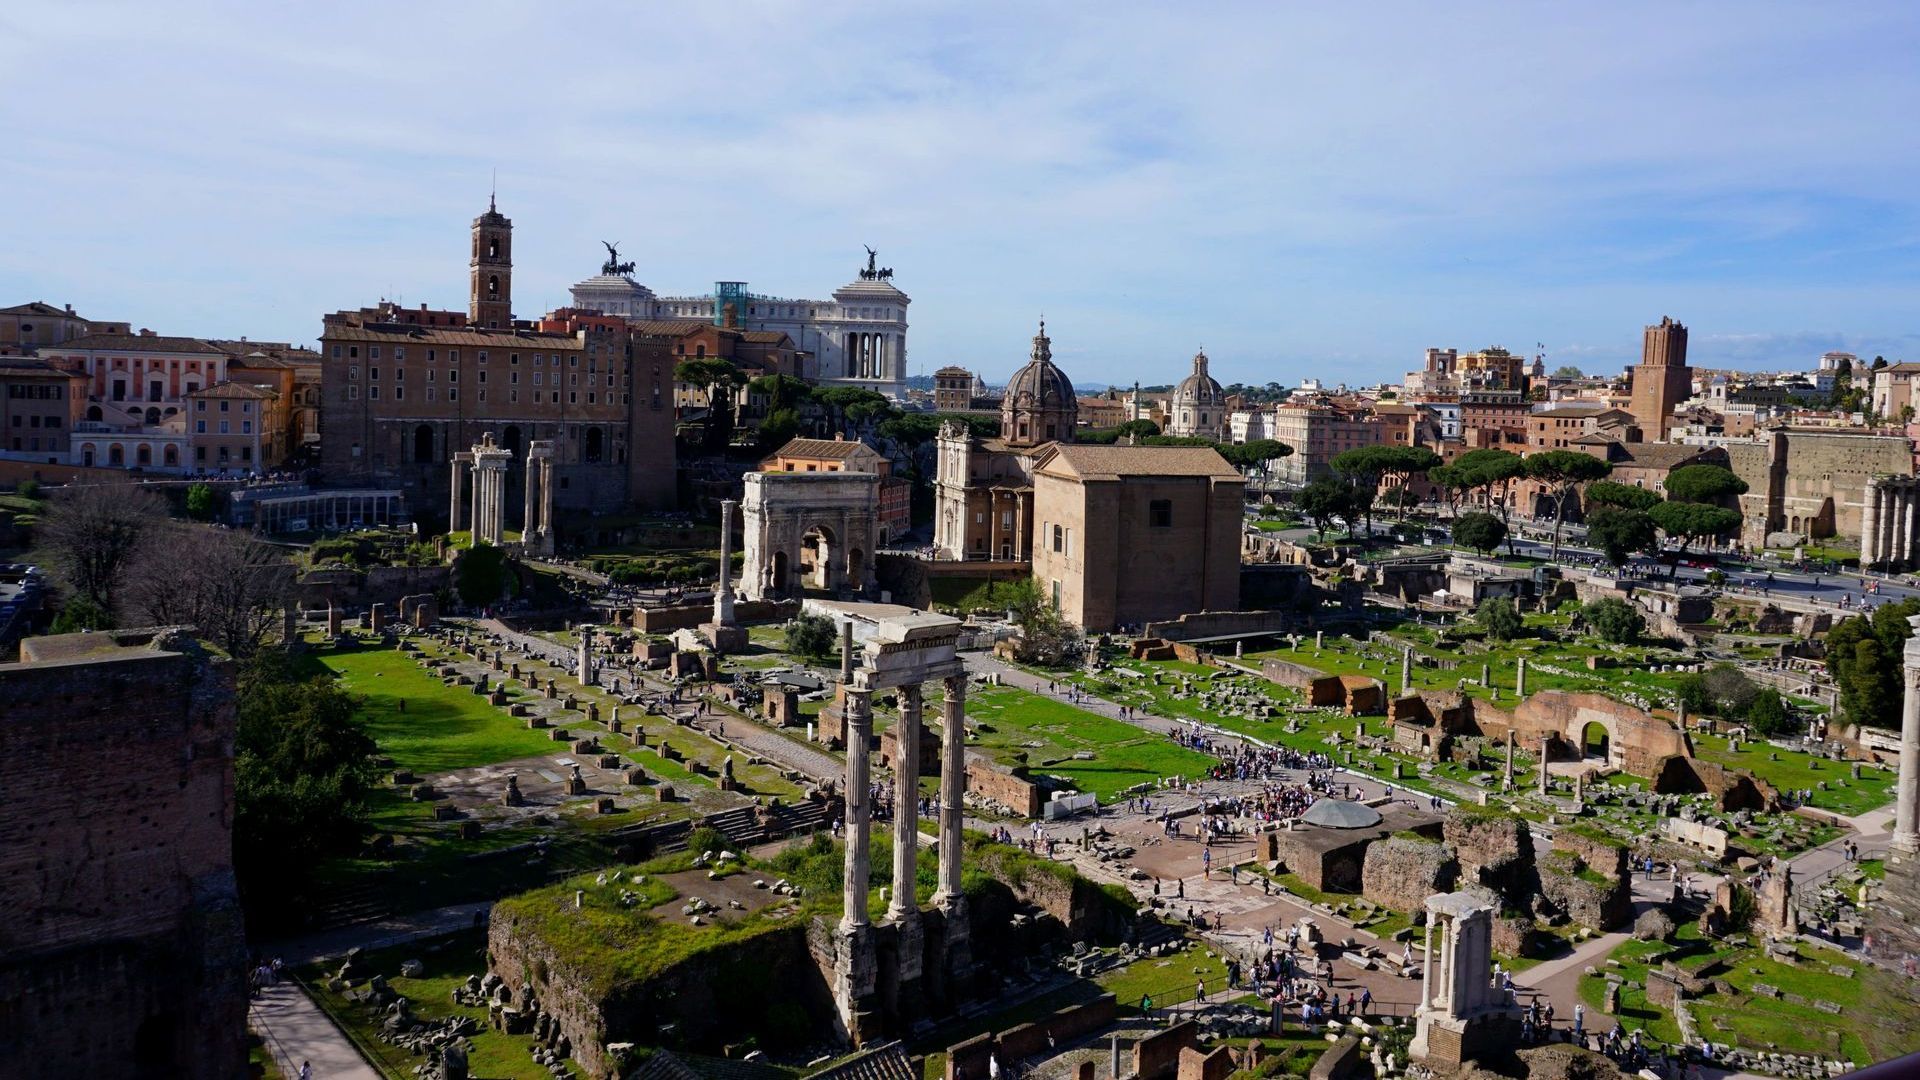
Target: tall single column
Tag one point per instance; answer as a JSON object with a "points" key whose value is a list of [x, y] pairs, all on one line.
{"points": [[1426, 967], [723, 592], [858, 863], [1406, 669], [1869, 524], [1520, 680], [529, 525], [1508, 786], [906, 808], [1906, 810], [479, 502], [456, 512], [1545, 741], [953, 790], [1907, 500]]}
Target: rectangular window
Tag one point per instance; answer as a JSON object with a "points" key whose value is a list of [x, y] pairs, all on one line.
{"points": [[453, 393], [246, 427], [453, 376], [199, 406], [429, 356], [513, 396], [539, 378], [353, 393], [353, 352], [399, 352], [429, 393], [199, 427], [483, 356], [373, 372], [399, 392], [223, 427], [224, 406], [483, 376], [373, 393], [483, 395], [1160, 513], [373, 352], [1059, 539], [573, 397], [453, 356], [399, 373], [336, 352]]}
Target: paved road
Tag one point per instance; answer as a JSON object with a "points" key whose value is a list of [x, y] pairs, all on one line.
{"points": [[296, 1031]]}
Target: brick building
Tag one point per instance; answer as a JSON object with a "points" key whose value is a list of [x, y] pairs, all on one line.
{"points": [[27, 328], [403, 390], [122, 953], [39, 405], [1318, 431], [236, 427], [851, 455], [1127, 534], [1661, 380]]}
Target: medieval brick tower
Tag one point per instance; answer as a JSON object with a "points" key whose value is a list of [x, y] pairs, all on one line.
{"points": [[490, 283], [1661, 379]]}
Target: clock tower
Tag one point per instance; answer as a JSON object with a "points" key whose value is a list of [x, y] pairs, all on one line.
{"points": [[490, 281]]}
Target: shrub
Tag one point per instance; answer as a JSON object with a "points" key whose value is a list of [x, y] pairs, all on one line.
{"points": [[1615, 620], [810, 636], [28, 489], [1499, 618]]}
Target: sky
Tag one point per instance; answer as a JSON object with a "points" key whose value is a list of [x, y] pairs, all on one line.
{"points": [[1304, 190]]}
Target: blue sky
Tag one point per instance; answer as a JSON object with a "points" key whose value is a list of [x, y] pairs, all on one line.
{"points": [[1307, 191]]}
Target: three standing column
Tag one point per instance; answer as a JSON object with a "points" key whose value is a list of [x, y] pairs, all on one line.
{"points": [[859, 721]]}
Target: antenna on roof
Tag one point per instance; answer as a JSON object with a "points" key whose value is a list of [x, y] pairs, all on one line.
{"points": [[493, 188]]}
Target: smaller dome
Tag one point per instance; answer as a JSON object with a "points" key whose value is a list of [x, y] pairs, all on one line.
{"points": [[1341, 814], [1198, 388], [1040, 383]]}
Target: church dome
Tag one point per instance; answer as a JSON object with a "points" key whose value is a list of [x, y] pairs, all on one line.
{"points": [[1039, 405], [1198, 388]]}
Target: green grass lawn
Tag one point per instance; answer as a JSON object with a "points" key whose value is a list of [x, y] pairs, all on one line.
{"points": [[1048, 732], [1754, 1020], [1795, 770], [443, 728], [448, 962]]}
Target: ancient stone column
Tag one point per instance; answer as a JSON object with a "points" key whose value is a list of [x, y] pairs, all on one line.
{"points": [[723, 592], [477, 484], [906, 806], [529, 524], [846, 653], [1406, 669], [546, 501], [583, 669], [1509, 784], [456, 512], [1870, 525], [1906, 808], [953, 791], [1907, 501], [858, 863], [1545, 741], [1520, 680]]}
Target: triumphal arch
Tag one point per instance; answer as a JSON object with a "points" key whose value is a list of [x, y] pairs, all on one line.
{"points": [[809, 531]]}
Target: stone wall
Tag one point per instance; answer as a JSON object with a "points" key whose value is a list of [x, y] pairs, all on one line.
{"points": [[1008, 789], [1495, 851], [360, 588], [1157, 1057], [661, 620], [123, 951], [1732, 789], [1400, 873], [1566, 880]]}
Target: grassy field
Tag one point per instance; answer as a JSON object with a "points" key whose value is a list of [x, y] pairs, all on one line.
{"points": [[1747, 1017], [1014, 722], [1795, 770], [448, 962], [443, 727]]}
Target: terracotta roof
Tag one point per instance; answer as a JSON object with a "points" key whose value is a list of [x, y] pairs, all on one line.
{"points": [[823, 449], [40, 307], [953, 369], [27, 366], [396, 334], [1660, 455], [763, 337], [146, 343], [1093, 460], [670, 327], [1592, 409], [230, 389], [1906, 368]]}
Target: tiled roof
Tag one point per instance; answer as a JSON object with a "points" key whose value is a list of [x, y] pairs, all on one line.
{"points": [[763, 337], [1095, 460], [39, 307], [669, 327], [1660, 455], [822, 449], [887, 1061], [145, 343], [27, 366], [395, 334]]}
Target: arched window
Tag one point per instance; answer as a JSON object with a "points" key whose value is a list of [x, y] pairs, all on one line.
{"points": [[143, 454], [153, 415], [699, 350], [172, 455], [493, 284], [94, 413], [423, 444], [493, 247], [510, 441]]}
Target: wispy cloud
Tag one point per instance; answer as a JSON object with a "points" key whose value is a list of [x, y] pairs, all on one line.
{"points": [[1290, 185]]}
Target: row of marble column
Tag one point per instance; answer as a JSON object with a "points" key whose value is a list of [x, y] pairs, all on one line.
{"points": [[906, 799], [1890, 522]]}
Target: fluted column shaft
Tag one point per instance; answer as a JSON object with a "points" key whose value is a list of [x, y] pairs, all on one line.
{"points": [[1906, 808], [953, 787], [859, 709], [456, 512], [906, 805]]}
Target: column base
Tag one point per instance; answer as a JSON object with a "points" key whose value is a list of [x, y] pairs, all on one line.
{"points": [[855, 970]]}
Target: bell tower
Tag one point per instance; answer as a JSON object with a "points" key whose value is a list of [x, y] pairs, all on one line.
{"points": [[490, 280]]}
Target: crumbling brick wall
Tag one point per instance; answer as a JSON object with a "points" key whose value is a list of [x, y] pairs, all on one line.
{"points": [[123, 952], [1495, 851], [1401, 872]]}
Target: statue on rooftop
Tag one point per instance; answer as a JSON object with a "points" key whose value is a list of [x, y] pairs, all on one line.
{"points": [[613, 265]]}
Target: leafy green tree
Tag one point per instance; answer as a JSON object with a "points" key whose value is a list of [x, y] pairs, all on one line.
{"points": [[1250, 455], [1562, 472], [781, 391], [303, 773], [1619, 496], [853, 404], [1703, 484], [1767, 713], [1568, 371], [1144, 429], [79, 614], [1499, 618], [1863, 655], [1323, 501], [1447, 479], [810, 636], [1366, 467], [1615, 620], [1620, 534], [1689, 522], [480, 574], [721, 380], [1487, 469], [1045, 638], [200, 502], [779, 428], [1479, 531]]}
